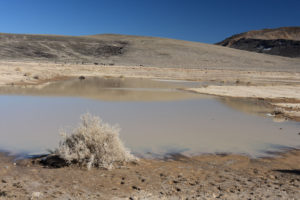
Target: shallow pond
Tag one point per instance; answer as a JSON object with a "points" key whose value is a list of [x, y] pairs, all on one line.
{"points": [[156, 118]]}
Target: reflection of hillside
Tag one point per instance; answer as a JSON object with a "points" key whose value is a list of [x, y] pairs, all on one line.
{"points": [[109, 89], [248, 106]]}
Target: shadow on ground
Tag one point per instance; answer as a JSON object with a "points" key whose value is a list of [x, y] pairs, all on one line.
{"points": [[293, 171]]}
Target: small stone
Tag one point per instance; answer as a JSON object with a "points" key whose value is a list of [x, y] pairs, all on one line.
{"points": [[81, 77], [136, 188], [17, 185], [122, 183], [36, 195], [3, 193], [271, 176]]}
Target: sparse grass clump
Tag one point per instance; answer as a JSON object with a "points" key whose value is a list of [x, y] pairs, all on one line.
{"points": [[94, 144]]}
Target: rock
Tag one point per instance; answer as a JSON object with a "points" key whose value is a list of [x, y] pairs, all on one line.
{"points": [[17, 185], [3, 193], [219, 188], [35, 195], [277, 112], [136, 188], [81, 77], [272, 177]]}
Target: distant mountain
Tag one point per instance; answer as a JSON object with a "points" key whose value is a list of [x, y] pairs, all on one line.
{"points": [[126, 50], [283, 41]]}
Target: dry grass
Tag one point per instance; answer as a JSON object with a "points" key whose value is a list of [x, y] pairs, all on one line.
{"points": [[94, 144]]}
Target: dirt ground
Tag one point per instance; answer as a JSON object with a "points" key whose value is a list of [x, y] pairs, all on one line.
{"points": [[201, 177], [22, 73]]}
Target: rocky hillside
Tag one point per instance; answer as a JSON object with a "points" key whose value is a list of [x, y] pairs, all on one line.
{"points": [[112, 49], [283, 41]]}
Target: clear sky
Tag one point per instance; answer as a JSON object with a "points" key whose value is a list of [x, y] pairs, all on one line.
{"points": [[206, 21]]}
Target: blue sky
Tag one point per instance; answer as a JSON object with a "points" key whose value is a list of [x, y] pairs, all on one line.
{"points": [[206, 21]]}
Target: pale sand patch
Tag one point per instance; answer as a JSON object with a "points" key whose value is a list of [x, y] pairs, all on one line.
{"points": [[278, 93], [268, 92]]}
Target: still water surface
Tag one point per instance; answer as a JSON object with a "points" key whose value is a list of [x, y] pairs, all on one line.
{"points": [[155, 117]]}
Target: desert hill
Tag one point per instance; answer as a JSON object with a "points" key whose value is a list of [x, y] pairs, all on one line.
{"points": [[113, 49], [283, 41]]}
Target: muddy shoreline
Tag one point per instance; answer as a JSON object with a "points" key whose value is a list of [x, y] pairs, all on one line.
{"points": [[199, 177]]}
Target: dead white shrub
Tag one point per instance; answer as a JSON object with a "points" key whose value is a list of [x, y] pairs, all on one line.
{"points": [[94, 144]]}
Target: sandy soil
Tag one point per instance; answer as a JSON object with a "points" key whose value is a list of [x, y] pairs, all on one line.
{"points": [[36, 73], [202, 177]]}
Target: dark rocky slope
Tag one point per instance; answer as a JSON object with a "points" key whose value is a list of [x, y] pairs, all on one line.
{"points": [[281, 41]]}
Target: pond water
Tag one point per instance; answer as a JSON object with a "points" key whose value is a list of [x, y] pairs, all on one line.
{"points": [[156, 118]]}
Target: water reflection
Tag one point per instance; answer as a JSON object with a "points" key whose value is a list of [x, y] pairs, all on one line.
{"points": [[155, 118], [249, 106], [110, 89]]}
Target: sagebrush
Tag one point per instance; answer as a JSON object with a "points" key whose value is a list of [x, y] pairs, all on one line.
{"points": [[94, 144]]}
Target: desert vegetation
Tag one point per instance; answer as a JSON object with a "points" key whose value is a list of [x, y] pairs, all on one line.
{"points": [[94, 143]]}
